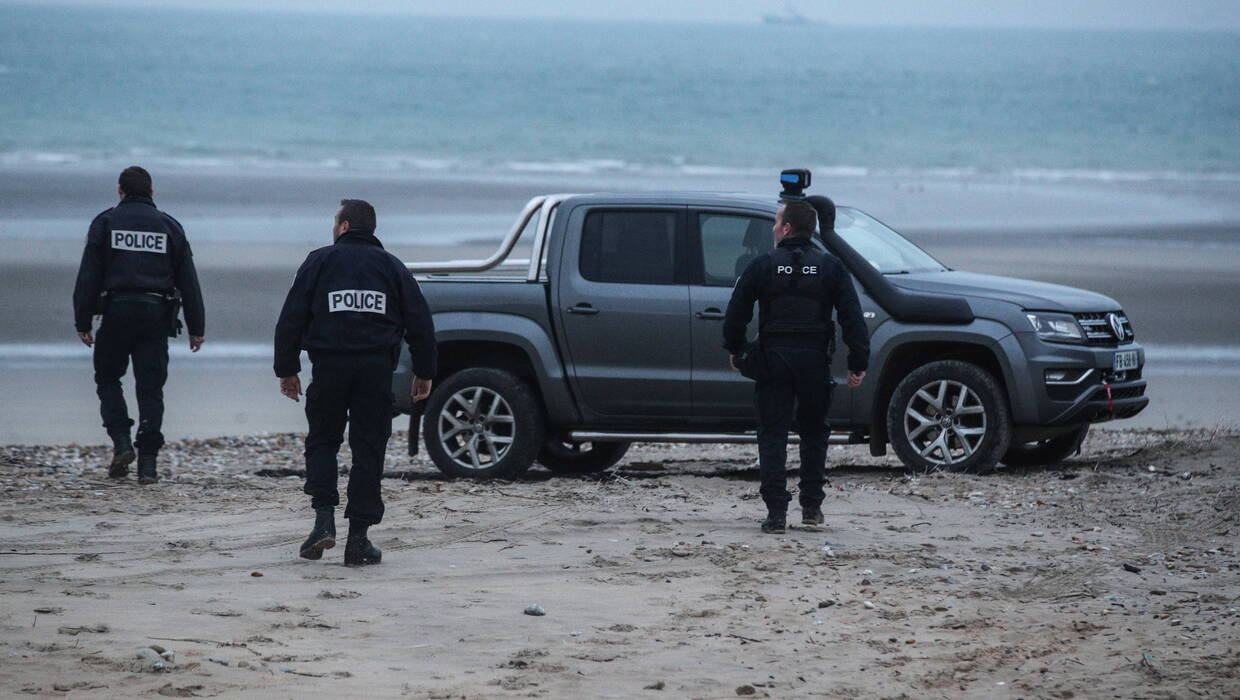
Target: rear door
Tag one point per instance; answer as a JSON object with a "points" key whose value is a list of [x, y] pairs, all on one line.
{"points": [[623, 306]]}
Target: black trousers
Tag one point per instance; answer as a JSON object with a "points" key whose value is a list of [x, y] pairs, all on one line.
{"points": [[138, 330], [352, 388], [797, 385]]}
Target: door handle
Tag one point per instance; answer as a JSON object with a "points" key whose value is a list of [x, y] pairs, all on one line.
{"points": [[583, 309], [711, 314]]}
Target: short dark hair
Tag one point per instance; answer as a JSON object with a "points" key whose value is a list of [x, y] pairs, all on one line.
{"points": [[359, 214], [800, 215], [135, 181]]}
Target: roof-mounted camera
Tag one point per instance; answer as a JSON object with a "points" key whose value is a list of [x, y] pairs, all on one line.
{"points": [[794, 182]]}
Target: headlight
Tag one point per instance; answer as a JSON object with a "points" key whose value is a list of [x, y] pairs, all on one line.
{"points": [[1057, 328]]}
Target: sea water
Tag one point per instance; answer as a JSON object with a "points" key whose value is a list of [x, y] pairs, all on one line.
{"points": [[218, 89]]}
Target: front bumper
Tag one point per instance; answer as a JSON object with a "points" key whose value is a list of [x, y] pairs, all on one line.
{"points": [[1086, 402], [1127, 399]]}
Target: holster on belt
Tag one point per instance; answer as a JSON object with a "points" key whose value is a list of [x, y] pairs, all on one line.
{"points": [[174, 313], [751, 362]]}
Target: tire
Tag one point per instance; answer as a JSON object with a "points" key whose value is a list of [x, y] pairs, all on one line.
{"points": [[949, 414], [483, 424], [1044, 452], [564, 457]]}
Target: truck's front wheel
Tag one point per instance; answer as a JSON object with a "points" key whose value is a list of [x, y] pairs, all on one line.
{"points": [[483, 424], [949, 415]]}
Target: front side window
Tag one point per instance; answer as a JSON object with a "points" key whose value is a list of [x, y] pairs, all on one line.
{"points": [[729, 243], [629, 247]]}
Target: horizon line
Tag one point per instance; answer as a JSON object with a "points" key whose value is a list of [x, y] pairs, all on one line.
{"points": [[758, 18]]}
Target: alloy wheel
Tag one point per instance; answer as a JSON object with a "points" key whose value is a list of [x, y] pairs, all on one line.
{"points": [[945, 422], [476, 427]]}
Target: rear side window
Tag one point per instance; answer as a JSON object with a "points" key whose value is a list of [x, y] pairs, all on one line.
{"points": [[629, 247]]}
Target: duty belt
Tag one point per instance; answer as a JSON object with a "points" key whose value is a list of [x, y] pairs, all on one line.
{"points": [[141, 297]]}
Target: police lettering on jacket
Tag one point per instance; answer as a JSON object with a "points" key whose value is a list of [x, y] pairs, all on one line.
{"points": [[140, 241], [357, 300]]}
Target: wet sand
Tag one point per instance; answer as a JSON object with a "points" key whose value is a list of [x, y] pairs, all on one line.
{"points": [[58, 405], [1113, 575]]}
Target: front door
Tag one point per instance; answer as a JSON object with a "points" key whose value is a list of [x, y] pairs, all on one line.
{"points": [[726, 241], [623, 305]]}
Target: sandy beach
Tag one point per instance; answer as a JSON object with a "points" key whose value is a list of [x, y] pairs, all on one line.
{"points": [[1113, 575]]}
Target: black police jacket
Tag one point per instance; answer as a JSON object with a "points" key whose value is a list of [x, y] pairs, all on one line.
{"points": [[134, 247], [354, 296], [796, 286]]}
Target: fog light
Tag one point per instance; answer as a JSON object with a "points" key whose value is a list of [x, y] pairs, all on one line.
{"points": [[1067, 375]]}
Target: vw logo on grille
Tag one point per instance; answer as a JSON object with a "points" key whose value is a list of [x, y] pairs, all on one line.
{"points": [[1117, 326]]}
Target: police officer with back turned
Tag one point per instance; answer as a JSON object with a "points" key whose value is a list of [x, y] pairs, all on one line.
{"points": [[796, 287], [349, 307], [137, 270]]}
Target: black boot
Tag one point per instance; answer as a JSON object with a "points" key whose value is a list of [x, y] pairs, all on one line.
{"points": [[146, 469], [358, 551], [122, 456], [323, 536], [776, 522], [812, 517]]}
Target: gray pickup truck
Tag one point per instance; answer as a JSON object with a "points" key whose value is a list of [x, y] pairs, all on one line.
{"points": [[610, 333]]}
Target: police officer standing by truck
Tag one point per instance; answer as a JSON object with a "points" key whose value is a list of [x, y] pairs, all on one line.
{"points": [[137, 271], [796, 287], [350, 305]]}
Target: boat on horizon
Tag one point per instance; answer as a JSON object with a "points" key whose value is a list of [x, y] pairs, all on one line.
{"points": [[789, 16]]}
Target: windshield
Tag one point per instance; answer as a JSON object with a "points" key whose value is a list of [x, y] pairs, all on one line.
{"points": [[886, 250]]}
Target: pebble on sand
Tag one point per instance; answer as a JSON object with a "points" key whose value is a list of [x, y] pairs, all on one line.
{"points": [[74, 631], [535, 609], [148, 660]]}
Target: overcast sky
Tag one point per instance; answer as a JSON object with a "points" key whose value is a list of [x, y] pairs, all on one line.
{"points": [[1088, 14]]}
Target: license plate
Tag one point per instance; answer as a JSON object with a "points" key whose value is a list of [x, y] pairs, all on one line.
{"points": [[1125, 360]]}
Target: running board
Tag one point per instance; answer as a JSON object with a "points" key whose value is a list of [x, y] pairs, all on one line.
{"points": [[836, 438]]}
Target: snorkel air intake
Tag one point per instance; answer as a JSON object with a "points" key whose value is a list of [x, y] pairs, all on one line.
{"points": [[903, 305]]}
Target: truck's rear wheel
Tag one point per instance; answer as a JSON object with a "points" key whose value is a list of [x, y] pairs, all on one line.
{"points": [[564, 457], [1049, 451], [949, 415], [483, 424]]}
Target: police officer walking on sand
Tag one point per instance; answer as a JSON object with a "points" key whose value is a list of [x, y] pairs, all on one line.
{"points": [[136, 271], [349, 307], [796, 287]]}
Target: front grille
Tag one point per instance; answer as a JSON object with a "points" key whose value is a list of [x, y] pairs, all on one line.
{"points": [[1098, 330]]}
